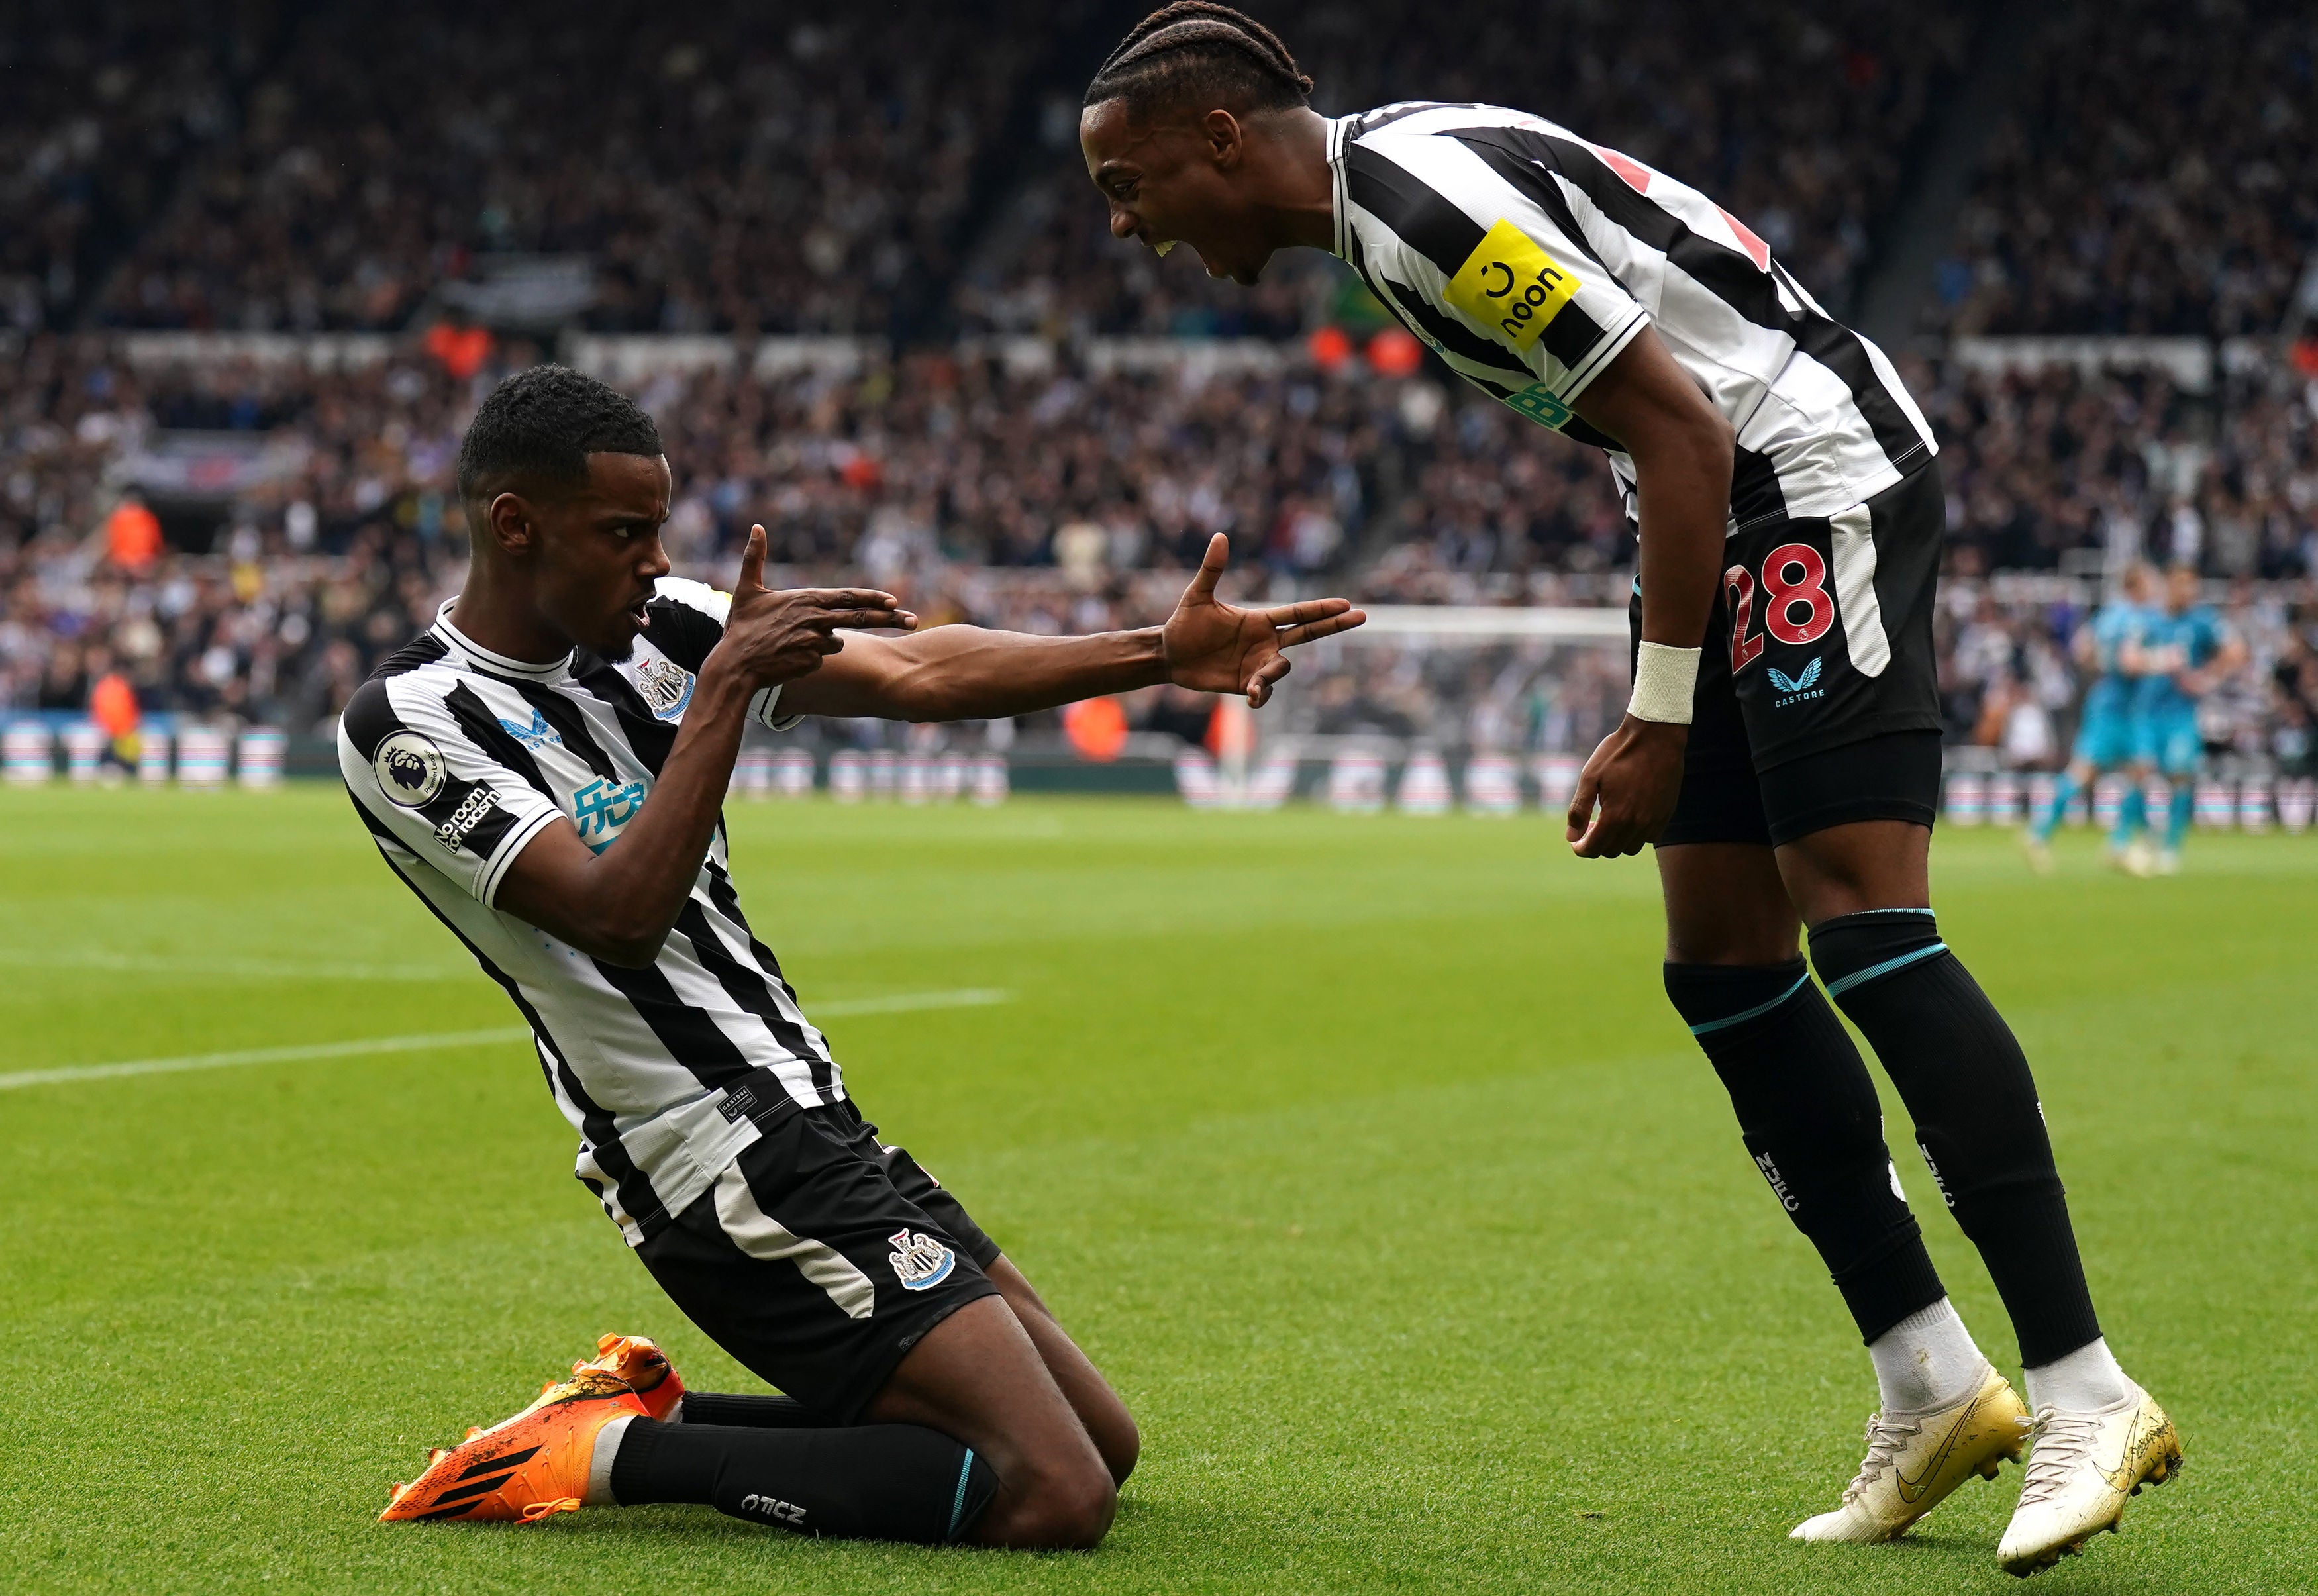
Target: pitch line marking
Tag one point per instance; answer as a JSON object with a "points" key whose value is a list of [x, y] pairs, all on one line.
{"points": [[897, 1003]]}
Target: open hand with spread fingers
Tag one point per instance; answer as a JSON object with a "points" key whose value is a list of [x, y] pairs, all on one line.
{"points": [[1215, 646]]}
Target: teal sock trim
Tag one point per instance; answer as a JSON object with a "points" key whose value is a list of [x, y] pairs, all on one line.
{"points": [[957, 1502], [1836, 989], [1756, 1012]]}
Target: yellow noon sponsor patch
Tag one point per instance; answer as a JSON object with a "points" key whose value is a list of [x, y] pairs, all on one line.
{"points": [[1512, 286]]}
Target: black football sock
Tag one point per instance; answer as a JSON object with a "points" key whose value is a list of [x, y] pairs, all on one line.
{"points": [[1977, 1123], [874, 1482], [1809, 1117], [747, 1413]]}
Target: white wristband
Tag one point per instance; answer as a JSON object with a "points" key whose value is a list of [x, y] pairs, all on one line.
{"points": [[1664, 680]]}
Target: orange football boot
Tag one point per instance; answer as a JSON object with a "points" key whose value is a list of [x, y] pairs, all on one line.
{"points": [[644, 1366], [528, 1467]]}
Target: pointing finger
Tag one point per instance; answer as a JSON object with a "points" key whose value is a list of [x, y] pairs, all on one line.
{"points": [[1312, 630], [1310, 609]]}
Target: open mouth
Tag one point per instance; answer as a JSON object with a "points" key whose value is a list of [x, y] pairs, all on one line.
{"points": [[636, 613], [1160, 249]]}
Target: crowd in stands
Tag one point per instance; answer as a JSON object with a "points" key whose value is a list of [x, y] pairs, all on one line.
{"points": [[1038, 498], [1795, 117], [104, 102], [2161, 177], [1049, 498], [803, 168], [719, 167]]}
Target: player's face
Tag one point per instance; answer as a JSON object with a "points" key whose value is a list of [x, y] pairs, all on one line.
{"points": [[1174, 182], [2180, 590], [599, 553]]}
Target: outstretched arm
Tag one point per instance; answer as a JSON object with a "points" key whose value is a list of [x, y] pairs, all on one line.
{"points": [[955, 673], [619, 905]]}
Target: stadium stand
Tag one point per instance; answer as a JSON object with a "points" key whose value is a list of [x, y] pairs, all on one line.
{"points": [[105, 103], [2160, 179], [662, 170], [261, 260], [1797, 118]]}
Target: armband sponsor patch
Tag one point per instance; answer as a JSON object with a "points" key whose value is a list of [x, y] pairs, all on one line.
{"points": [[1510, 285]]}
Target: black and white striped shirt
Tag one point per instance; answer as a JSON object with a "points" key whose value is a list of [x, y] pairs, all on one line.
{"points": [[1527, 258], [456, 758]]}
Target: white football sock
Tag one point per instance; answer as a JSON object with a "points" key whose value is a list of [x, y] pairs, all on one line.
{"points": [[2085, 1380], [1925, 1361], [599, 1466]]}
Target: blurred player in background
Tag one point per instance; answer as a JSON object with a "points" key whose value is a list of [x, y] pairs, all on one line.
{"points": [[2104, 646], [2181, 652], [1782, 748], [545, 768]]}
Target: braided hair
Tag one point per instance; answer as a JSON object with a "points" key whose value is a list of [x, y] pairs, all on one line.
{"points": [[1195, 48]]}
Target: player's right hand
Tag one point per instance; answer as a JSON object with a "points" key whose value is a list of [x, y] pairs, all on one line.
{"points": [[1626, 794], [778, 636]]}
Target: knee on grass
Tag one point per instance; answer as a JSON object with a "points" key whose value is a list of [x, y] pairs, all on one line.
{"points": [[1058, 1511]]}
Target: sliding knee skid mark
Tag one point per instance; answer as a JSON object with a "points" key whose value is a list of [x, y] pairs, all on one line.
{"points": [[1810, 1118], [1978, 1125]]}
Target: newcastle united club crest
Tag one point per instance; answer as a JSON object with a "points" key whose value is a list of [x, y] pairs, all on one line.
{"points": [[666, 686], [919, 1260]]}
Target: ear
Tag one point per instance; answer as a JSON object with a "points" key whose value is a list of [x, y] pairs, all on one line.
{"points": [[514, 524], [1225, 141]]}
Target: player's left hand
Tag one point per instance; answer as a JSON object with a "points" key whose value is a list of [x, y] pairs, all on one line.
{"points": [[1215, 646], [1634, 779]]}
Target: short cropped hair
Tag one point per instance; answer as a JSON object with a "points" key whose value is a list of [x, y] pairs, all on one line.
{"points": [[1196, 50], [540, 425]]}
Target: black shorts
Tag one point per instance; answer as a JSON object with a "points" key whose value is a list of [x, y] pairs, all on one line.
{"points": [[1818, 698], [820, 1257]]}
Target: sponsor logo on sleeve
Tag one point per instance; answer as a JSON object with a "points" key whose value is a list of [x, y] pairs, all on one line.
{"points": [[1541, 405], [453, 832], [666, 686], [1510, 285], [919, 1260], [410, 769]]}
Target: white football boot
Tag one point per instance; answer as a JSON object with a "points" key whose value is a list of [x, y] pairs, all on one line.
{"points": [[1914, 1461], [2083, 1468]]}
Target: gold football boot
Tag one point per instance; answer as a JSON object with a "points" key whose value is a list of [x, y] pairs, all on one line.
{"points": [[1914, 1461], [2083, 1468]]}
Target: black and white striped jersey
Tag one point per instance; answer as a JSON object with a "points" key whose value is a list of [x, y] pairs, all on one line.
{"points": [[1527, 258], [456, 758]]}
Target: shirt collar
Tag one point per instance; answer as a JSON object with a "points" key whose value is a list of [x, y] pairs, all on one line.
{"points": [[1339, 131], [497, 663]]}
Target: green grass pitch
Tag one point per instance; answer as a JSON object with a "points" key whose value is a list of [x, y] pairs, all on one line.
{"points": [[1363, 1153]]}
